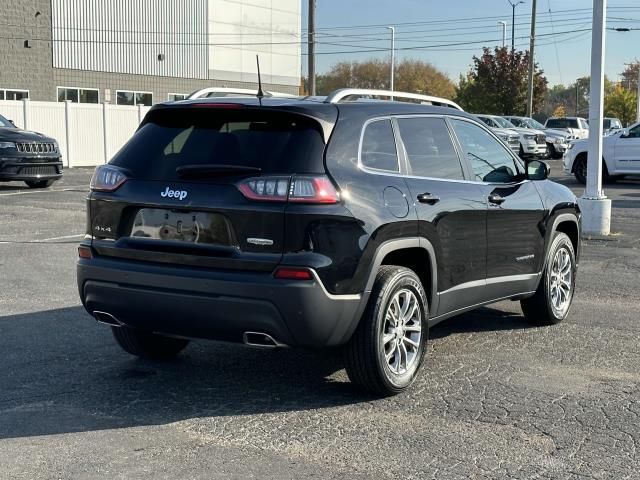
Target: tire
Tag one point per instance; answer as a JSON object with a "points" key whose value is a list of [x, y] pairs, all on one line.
{"points": [[543, 307], [39, 183], [374, 355], [148, 344], [580, 170]]}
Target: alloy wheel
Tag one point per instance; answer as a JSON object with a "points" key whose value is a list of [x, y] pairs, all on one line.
{"points": [[402, 332], [560, 282]]}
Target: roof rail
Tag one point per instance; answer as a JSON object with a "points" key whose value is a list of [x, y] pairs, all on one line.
{"points": [[234, 92], [338, 95]]}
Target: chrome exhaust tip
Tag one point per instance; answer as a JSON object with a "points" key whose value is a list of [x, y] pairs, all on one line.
{"points": [[261, 340], [106, 318]]}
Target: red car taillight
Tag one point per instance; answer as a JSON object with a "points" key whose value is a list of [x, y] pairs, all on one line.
{"points": [[107, 178], [299, 189]]}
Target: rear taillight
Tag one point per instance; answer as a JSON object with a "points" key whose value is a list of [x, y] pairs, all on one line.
{"points": [[293, 273], [107, 178], [85, 252], [299, 189]]}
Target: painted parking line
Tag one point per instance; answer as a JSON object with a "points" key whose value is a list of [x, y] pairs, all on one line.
{"points": [[50, 190], [43, 240]]}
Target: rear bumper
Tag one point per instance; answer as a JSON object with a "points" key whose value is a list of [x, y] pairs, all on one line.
{"points": [[218, 305], [29, 169]]}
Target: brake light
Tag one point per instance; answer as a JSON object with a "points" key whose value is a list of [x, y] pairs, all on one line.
{"points": [[298, 189], [107, 178], [313, 190], [85, 252], [292, 273], [217, 105]]}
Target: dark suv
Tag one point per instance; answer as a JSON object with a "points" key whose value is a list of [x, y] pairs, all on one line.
{"points": [[28, 156], [309, 223]]}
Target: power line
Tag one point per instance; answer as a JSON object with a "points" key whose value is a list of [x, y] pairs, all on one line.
{"points": [[554, 42]]}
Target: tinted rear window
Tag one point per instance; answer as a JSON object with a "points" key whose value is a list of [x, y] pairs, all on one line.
{"points": [[562, 123], [275, 142]]}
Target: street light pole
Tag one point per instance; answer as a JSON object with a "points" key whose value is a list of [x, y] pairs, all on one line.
{"points": [[595, 206], [513, 22], [393, 58], [504, 32]]}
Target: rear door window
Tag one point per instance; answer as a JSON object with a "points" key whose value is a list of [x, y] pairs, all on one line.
{"points": [[429, 148], [274, 142], [378, 150]]}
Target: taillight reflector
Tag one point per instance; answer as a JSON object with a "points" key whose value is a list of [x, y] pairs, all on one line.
{"points": [[292, 273], [85, 252]]}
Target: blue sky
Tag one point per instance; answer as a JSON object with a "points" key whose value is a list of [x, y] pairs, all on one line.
{"points": [[563, 32]]}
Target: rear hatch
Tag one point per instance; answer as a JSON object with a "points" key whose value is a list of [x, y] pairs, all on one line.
{"points": [[206, 186]]}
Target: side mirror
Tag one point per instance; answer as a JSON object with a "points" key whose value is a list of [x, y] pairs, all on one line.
{"points": [[12, 122], [537, 170]]}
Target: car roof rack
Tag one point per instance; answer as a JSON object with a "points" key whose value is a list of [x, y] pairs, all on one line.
{"points": [[340, 95], [234, 92]]}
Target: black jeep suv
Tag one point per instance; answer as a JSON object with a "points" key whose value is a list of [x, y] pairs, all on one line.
{"points": [[28, 156], [301, 222]]}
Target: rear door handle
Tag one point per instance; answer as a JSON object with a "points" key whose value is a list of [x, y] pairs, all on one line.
{"points": [[496, 199], [428, 198]]}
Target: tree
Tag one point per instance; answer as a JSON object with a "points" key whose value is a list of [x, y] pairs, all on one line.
{"points": [[497, 83], [621, 103], [410, 75], [566, 96], [559, 111], [630, 75]]}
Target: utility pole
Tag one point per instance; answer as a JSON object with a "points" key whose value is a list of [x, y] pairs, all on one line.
{"points": [[595, 206], [532, 44], [513, 22], [312, 47], [504, 32], [393, 58], [637, 89], [577, 98]]}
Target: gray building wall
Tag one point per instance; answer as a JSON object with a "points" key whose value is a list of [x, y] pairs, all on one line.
{"points": [[32, 68]]}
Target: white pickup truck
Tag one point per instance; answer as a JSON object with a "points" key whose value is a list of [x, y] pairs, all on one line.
{"points": [[620, 152]]}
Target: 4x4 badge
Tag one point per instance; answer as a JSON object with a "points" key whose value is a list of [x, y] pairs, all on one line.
{"points": [[179, 194]]}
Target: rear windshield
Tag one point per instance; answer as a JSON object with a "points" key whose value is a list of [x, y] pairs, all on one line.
{"points": [[275, 142], [562, 123]]}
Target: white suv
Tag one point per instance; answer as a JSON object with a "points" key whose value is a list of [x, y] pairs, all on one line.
{"points": [[576, 127], [533, 143], [620, 152]]}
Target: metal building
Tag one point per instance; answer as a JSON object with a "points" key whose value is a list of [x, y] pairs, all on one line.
{"points": [[145, 51]]}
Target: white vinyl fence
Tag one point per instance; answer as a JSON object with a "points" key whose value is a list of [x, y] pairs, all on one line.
{"points": [[88, 134]]}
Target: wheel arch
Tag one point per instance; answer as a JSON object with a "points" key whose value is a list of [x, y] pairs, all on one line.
{"points": [[568, 224], [415, 253]]}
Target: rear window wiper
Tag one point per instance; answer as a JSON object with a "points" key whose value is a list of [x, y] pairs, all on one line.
{"points": [[216, 170]]}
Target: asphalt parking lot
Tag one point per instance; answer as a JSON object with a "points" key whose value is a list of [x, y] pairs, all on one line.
{"points": [[499, 398]]}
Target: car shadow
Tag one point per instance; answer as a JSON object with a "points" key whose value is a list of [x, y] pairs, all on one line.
{"points": [[486, 319], [62, 372]]}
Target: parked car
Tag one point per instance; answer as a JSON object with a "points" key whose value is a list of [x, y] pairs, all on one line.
{"points": [[28, 156], [557, 140], [532, 142], [610, 125], [576, 127], [359, 224], [509, 137], [620, 155]]}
